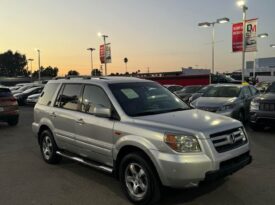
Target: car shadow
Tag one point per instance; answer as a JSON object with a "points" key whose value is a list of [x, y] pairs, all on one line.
{"points": [[169, 195], [175, 196]]}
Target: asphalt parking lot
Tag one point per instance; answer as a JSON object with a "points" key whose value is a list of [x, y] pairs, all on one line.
{"points": [[26, 179]]}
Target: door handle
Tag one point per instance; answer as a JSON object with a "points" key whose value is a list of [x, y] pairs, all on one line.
{"points": [[53, 114], [80, 121]]}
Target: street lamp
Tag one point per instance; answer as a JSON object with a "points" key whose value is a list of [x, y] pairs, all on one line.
{"points": [[104, 40], [92, 66], [262, 35], [272, 45], [241, 3], [208, 24], [39, 68]]}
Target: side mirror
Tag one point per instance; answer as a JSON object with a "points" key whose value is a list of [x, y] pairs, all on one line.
{"points": [[101, 111]]}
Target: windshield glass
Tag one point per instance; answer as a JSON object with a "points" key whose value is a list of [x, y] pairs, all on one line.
{"points": [[139, 99], [191, 89], [5, 92], [271, 88], [219, 91]]}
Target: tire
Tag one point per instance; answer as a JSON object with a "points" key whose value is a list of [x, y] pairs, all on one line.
{"points": [[48, 148], [13, 122], [143, 186], [256, 127]]}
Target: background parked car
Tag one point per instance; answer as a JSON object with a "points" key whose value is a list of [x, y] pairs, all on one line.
{"points": [[187, 92], [25, 87], [21, 97], [8, 107], [262, 86], [262, 109], [224, 79], [32, 99], [199, 93], [227, 99], [173, 88]]}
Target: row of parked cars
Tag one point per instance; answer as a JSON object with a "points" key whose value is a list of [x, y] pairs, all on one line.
{"points": [[255, 104], [11, 97]]}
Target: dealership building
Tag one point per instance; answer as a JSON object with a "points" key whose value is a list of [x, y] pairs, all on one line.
{"points": [[263, 67]]}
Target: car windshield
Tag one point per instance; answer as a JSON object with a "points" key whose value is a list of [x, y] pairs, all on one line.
{"points": [[204, 89], [190, 89], [271, 89], [30, 90], [139, 99], [223, 91]]}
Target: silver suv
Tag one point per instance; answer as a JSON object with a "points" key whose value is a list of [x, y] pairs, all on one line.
{"points": [[139, 131]]}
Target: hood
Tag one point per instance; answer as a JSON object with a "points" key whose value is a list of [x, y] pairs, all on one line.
{"points": [[192, 121], [266, 97], [212, 101]]}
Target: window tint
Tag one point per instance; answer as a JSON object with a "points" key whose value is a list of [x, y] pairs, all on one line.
{"points": [[47, 94], [69, 97], [94, 96]]}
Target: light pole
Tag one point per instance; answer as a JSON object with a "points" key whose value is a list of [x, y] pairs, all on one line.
{"points": [[262, 35], [241, 3], [30, 60], [208, 24], [39, 68], [92, 66], [104, 40]]}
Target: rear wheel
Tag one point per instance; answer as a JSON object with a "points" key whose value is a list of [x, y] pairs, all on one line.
{"points": [[139, 180], [48, 148]]}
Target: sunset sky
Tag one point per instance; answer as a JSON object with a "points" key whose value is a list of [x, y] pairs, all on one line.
{"points": [[160, 34]]}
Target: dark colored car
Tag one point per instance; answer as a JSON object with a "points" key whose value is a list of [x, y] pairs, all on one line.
{"points": [[215, 79], [22, 97], [8, 107], [262, 86], [173, 88], [187, 92], [262, 109]]}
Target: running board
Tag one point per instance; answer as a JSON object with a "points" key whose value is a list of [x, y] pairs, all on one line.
{"points": [[86, 162]]}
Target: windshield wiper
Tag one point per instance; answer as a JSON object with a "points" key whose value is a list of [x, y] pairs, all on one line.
{"points": [[160, 112]]}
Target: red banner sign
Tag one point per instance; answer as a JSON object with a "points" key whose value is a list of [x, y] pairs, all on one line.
{"points": [[237, 37], [102, 53]]}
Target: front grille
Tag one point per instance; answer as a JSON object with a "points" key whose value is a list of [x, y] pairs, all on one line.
{"points": [[228, 140], [209, 109], [267, 106]]}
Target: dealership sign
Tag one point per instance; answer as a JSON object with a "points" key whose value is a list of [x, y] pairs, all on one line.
{"points": [[105, 50], [250, 36]]}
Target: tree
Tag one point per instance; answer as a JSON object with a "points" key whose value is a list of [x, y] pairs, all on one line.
{"points": [[13, 64], [73, 72], [96, 72], [46, 72]]}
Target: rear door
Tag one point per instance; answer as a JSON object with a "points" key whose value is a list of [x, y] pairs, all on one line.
{"points": [[64, 114], [94, 135]]}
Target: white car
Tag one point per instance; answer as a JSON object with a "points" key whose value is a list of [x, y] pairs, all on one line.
{"points": [[32, 99]]}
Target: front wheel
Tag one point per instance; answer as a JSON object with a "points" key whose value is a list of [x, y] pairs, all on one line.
{"points": [[48, 148], [139, 180]]}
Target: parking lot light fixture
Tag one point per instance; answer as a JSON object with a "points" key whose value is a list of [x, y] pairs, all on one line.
{"points": [[223, 20], [272, 45], [92, 66], [209, 24], [241, 3], [263, 35]]}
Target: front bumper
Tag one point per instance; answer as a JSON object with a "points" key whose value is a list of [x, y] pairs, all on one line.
{"points": [[188, 170], [262, 117]]}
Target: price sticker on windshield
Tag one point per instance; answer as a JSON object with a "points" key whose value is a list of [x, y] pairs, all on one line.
{"points": [[130, 93]]}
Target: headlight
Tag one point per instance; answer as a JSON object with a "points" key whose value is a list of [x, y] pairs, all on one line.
{"points": [[226, 107], [182, 143], [254, 105]]}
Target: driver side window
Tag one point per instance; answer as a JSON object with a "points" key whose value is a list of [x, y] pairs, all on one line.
{"points": [[94, 96]]}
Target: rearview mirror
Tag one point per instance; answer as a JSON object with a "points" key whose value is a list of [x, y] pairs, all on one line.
{"points": [[101, 111]]}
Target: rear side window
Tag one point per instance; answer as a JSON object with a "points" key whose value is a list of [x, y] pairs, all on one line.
{"points": [[5, 92], [47, 94], [94, 96], [69, 97]]}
